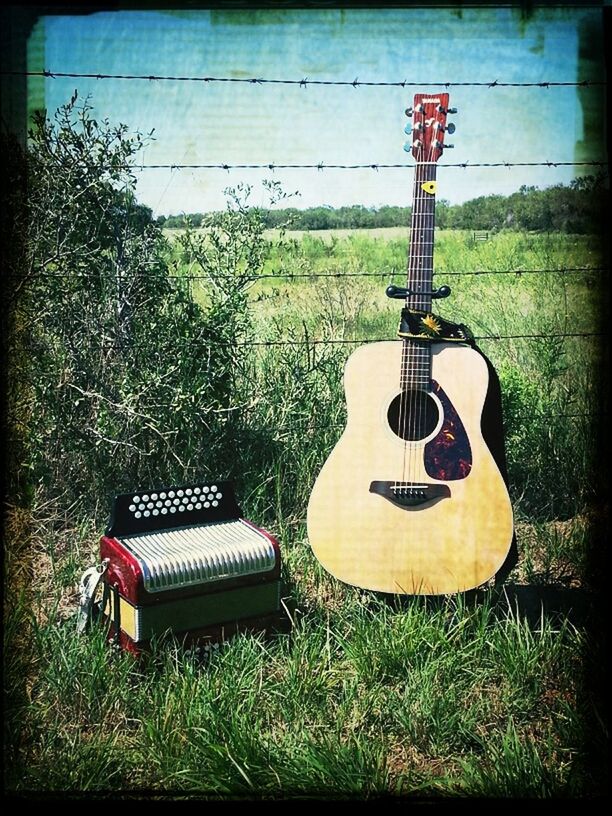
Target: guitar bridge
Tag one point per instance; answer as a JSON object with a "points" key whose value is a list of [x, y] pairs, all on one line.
{"points": [[409, 494]]}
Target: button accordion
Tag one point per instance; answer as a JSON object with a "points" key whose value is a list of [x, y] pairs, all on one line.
{"points": [[183, 560]]}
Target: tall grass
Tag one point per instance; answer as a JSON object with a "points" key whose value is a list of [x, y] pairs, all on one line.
{"points": [[361, 699]]}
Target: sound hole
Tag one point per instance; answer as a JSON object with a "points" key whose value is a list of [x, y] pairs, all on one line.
{"points": [[413, 415]]}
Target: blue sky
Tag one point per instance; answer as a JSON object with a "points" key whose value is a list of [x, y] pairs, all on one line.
{"points": [[245, 123]]}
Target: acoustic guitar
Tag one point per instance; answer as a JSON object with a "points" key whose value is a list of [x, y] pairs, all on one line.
{"points": [[411, 499]]}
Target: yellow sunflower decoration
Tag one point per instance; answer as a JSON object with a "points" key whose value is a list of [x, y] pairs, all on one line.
{"points": [[430, 325]]}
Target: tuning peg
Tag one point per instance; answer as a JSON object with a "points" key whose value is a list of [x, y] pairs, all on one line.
{"points": [[448, 147], [408, 111], [450, 128], [408, 128], [416, 145], [442, 109]]}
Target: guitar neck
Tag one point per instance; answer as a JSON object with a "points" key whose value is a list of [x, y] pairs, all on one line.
{"points": [[416, 357], [428, 126], [420, 258]]}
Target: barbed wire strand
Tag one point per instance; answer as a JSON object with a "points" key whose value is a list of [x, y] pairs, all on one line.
{"points": [[121, 345], [280, 274], [305, 82], [320, 166]]}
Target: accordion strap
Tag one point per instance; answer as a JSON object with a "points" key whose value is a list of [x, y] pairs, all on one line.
{"points": [[420, 325], [88, 585]]}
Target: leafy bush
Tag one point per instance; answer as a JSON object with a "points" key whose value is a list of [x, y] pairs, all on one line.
{"points": [[130, 379]]}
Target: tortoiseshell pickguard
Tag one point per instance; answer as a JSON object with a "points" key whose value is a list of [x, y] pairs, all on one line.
{"points": [[448, 456]]}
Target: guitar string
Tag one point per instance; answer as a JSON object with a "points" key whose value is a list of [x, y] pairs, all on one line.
{"points": [[423, 353], [432, 234], [405, 366], [405, 362], [426, 261], [413, 282], [415, 349], [416, 282], [417, 303]]}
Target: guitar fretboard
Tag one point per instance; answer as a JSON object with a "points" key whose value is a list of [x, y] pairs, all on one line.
{"points": [[422, 223], [416, 357]]}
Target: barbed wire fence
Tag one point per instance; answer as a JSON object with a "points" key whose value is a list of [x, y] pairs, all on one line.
{"points": [[321, 166]]}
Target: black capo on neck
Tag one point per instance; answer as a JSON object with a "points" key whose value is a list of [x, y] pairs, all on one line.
{"points": [[400, 292]]}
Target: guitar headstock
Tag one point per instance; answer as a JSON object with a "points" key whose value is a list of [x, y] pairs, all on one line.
{"points": [[428, 126]]}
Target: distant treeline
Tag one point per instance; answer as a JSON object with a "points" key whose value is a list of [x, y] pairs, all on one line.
{"points": [[576, 208]]}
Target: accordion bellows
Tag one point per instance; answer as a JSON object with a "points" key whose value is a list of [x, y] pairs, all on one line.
{"points": [[183, 560]]}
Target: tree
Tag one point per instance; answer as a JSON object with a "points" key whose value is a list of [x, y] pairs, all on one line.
{"points": [[129, 376]]}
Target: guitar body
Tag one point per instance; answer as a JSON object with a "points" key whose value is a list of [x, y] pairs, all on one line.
{"points": [[371, 520]]}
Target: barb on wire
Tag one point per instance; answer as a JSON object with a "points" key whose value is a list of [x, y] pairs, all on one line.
{"points": [[304, 82]]}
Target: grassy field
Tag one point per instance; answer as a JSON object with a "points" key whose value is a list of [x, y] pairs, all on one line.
{"points": [[488, 695]]}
